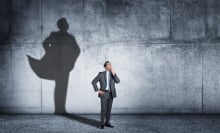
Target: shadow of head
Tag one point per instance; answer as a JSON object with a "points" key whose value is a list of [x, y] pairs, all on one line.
{"points": [[61, 53], [62, 24]]}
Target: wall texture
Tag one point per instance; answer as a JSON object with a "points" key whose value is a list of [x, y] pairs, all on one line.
{"points": [[166, 53]]}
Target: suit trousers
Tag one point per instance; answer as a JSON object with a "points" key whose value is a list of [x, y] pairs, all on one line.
{"points": [[106, 107]]}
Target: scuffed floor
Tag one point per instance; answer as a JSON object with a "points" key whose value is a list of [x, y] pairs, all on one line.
{"points": [[122, 123]]}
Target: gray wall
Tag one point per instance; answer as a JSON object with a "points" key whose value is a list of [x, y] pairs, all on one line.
{"points": [[166, 53]]}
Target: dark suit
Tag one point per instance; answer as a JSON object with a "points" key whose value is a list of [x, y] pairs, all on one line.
{"points": [[107, 98]]}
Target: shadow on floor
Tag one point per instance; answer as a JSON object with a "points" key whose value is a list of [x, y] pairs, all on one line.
{"points": [[81, 119]]}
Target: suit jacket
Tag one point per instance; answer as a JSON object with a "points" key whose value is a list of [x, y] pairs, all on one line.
{"points": [[101, 78]]}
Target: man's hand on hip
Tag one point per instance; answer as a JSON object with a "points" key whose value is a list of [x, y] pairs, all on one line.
{"points": [[101, 92]]}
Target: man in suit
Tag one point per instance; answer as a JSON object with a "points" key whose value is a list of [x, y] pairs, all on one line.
{"points": [[107, 92]]}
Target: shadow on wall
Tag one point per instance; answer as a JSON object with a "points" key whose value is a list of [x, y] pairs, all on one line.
{"points": [[61, 53]]}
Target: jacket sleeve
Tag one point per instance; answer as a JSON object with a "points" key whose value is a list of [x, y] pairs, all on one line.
{"points": [[94, 82], [116, 79]]}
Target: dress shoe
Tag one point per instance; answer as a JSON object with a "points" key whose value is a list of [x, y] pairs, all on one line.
{"points": [[102, 127], [109, 125]]}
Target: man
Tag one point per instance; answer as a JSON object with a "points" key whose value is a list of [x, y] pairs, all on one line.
{"points": [[107, 92]]}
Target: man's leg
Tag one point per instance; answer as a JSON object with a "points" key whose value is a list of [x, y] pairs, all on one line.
{"points": [[109, 108], [103, 108]]}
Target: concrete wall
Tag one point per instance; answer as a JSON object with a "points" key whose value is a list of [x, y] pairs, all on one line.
{"points": [[166, 53]]}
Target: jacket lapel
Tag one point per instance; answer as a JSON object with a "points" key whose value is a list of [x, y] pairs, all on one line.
{"points": [[105, 78], [110, 76], [110, 82]]}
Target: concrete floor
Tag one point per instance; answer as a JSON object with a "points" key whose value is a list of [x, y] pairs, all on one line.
{"points": [[123, 123]]}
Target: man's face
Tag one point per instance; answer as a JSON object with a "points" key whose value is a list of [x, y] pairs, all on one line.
{"points": [[108, 66]]}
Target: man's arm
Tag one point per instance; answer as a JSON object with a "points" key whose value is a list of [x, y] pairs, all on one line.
{"points": [[94, 82], [116, 79]]}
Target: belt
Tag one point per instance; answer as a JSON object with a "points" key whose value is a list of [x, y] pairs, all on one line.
{"points": [[106, 90]]}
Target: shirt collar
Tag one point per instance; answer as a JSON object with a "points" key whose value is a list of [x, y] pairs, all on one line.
{"points": [[106, 71]]}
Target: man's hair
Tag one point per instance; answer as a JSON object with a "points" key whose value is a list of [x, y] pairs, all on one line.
{"points": [[106, 62]]}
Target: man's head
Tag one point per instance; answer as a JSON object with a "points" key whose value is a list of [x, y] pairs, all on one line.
{"points": [[62, 24], [107, 65]]}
